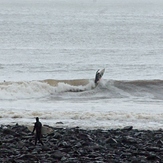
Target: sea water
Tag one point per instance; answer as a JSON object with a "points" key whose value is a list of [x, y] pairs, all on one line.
{"points": [[50, 51]]}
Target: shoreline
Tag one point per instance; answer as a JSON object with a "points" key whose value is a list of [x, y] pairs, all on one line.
{"points": [[81, 145], [62, 124]]}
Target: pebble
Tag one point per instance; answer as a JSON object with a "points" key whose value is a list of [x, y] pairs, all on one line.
{"points": [[75, 145]]}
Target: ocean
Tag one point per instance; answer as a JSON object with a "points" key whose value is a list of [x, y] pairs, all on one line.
{"points": [[50, 51]]}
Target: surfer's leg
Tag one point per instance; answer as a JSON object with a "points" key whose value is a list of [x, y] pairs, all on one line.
{"points": [[35, 139], [39, 139]]}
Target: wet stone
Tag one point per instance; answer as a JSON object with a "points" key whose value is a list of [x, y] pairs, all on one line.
{"points": [[59, 122], [78, 145], [68, 145], [128, 128], [111, 141], [58, 154]]}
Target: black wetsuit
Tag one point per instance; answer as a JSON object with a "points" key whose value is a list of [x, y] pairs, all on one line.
{"points": [[38, 127], [97, 77]]}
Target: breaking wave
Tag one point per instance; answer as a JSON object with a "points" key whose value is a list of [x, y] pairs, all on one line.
{"points": [[43, 88], [152, 89], [135, 88]]}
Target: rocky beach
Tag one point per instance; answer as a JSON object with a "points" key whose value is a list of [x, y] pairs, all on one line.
{"points": [[76, 145]]}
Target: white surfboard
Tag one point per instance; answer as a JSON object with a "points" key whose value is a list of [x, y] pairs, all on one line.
{"points": [[99, 75], [45, 129]]}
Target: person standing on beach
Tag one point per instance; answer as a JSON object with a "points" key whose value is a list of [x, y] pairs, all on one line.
{"points": [[37, 127]]}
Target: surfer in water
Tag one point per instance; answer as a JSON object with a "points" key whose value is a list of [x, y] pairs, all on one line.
{"points": [[97, 77]]}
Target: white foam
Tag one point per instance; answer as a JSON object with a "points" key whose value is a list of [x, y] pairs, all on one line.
{"points": [[36, 89], [25, 90], [100, 107], [86, 119], [78, 53]]}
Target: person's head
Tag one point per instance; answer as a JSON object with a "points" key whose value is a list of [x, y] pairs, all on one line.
{"points": [[37, 119]]}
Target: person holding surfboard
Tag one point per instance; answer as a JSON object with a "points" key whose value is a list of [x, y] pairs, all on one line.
{"points": [[38, 128]]}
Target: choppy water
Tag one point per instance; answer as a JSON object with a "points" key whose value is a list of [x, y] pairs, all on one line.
{"points": [[50, 51]]}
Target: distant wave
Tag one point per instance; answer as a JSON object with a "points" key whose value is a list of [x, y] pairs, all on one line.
{"points": [[136, 85], [105, 89], [139, 88]]}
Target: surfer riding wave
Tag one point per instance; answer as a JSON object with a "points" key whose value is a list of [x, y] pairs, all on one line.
{"points": [[98, 76], [26, 89]]}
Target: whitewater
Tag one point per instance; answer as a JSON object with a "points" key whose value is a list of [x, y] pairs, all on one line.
{"points": [[50, 52]]}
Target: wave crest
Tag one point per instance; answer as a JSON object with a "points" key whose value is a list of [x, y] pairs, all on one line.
{"points": [[152, 89], [136, 88], [39, 89]]}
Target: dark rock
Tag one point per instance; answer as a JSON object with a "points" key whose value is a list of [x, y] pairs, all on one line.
{"points": [[64, 144], [125, 155], [63, 159], [129, 139], [8, 131], [160, 143], [79, 145], [44, 148], [59, 122], [137, 134], [128, 128], [57, 135], [152, 149], [152, 157], [95, 146], [111, 141], [58, 154]]}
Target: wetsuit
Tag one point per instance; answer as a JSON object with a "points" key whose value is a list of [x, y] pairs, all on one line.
{"points": [[38, 127]]}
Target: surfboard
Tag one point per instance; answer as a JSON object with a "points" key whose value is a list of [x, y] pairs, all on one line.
{"points": [[99, 75], [45, 129]]}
